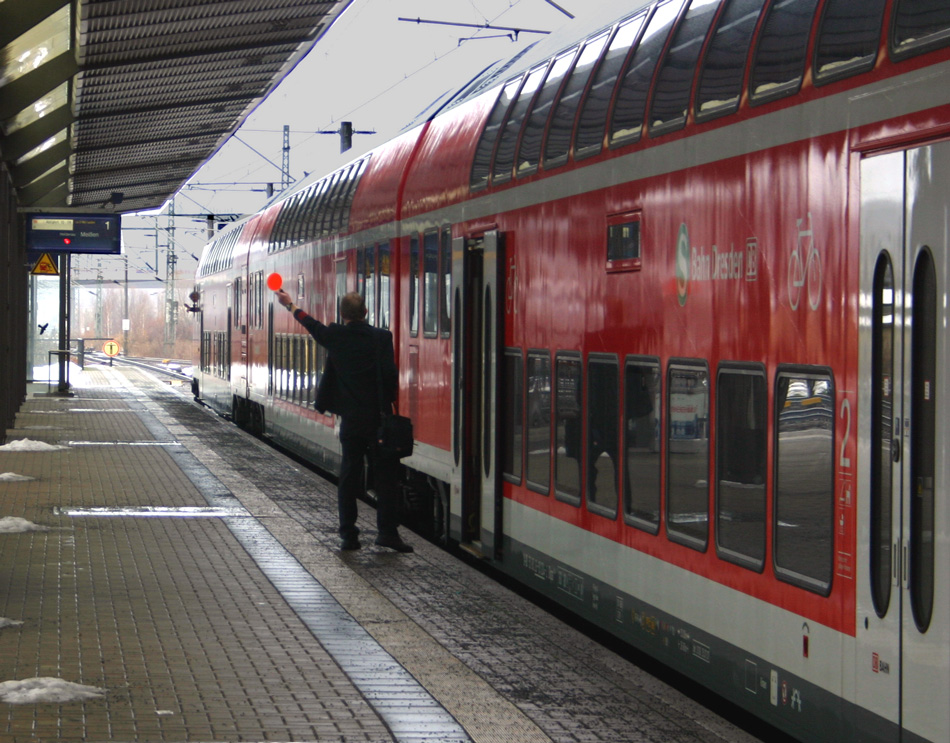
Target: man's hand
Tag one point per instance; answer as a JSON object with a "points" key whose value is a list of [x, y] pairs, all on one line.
{"points": [[284, 298]]}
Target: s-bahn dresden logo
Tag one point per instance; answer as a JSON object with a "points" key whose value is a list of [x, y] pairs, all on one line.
{"points": [[682, 265]]}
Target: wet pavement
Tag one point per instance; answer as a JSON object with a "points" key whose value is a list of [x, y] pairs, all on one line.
{"points": [[192, 574]]}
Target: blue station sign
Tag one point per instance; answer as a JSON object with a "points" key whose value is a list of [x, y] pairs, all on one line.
{"points": [[74, 233]]}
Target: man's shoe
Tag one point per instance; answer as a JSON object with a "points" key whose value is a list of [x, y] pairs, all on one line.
{"points": [[350, 543], [394, 543]]}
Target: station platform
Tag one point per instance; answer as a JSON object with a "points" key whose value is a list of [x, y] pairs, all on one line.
{"points": [[188, 577]]}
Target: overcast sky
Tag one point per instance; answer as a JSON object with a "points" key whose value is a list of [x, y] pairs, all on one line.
{"points": [[369, 68]]}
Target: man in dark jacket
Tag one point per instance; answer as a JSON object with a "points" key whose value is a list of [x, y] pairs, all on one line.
{"points": [[360, 378]]}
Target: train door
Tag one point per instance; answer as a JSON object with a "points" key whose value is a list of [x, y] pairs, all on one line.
{"points": [[478, 333], [903, 658]]}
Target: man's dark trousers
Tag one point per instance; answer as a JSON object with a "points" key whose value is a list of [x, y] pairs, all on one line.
{"points": [[358, 440]]}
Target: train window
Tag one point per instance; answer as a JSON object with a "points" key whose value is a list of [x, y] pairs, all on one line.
{"points": [[258, 303], [674, 82], [340, 284], [384, 285], [529, 151], [539, 421], [508, 142], [741, 464], [481, 165], [558, 142], [687, 454], [627, 121], [360, 272], [720, 80], [804, 478], [603, 435], [445, 301], [238, 303], [568, 423], [882, 433], [430, 284], [923, 421], [641, 444], [848, 38], [919, 26], [315, 211], [512, 427], [349, 193], [623, 242], [369, 283], [589, 137], [780, 53], [414, 286]]}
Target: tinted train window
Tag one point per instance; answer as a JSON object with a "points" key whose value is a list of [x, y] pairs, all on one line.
{"points": [[369, 291], [919, 26], [674, 83], [505, 154], [720, 82], [481, 166], [641, 443], [603, 435], [445, 304], [923, 431], [687, 459], [882, 433], [781, 50], [529, 152], [414, 285], [741, 446], [558, 141], [848, 38], [623, 242], [804, 478], [568, 425], [384, 286], [589, 138], [512, 426], [630, 108], [539, 421], [430, 297]]}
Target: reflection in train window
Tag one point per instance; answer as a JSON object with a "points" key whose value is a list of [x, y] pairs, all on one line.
{"points": [[687, 459], [508, 142], [923, 428], [539, 421], [848, 38], [529, 151], [630, 108], [568, 424], [603, 431], [641, 444], [430, 284], [720, 82], [558, 142], [882, 432], [804, 478], [481, 166], [674, 81], [781, 50], [741, 445], [512, 411], [589, 138], [413, 304], [919, 26], [445, 300]]}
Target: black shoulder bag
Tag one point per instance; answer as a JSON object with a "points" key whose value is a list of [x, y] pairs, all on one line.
{"points": [[394, 438]]}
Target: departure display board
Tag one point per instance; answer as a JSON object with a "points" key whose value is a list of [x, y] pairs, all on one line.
{"points": [[74, 233]]}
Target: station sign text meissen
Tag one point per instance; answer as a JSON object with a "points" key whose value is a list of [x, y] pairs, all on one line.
{"points": [[76, 233]]}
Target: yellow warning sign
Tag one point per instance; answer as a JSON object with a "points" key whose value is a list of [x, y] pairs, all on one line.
{"points": [[45, 266], [110, 348]]}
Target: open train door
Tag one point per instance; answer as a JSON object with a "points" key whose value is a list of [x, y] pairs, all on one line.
{"points": [[903, 658], [478, 334]]}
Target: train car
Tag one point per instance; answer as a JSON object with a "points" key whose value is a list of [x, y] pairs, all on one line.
{"points": [[669, 297]]}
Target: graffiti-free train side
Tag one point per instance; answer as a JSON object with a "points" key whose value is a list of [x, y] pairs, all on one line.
{"points": [[669, 299]]}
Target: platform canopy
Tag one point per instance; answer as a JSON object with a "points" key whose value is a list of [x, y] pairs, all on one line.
{"points": [[114, 104]]}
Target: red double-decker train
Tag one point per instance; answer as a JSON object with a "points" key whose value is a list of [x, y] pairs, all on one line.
{"points": [[669, 298]]}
